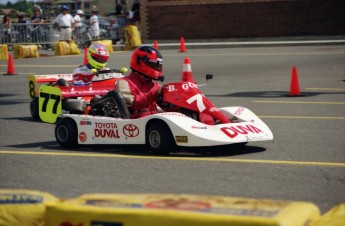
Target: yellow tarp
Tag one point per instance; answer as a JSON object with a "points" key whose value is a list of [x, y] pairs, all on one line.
{"points": [[25, 51], [172, 210], [23, 207]]}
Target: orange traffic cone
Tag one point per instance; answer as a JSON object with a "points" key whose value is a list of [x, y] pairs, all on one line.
{"points": [[294, 86], [187, 71], [182, 45], [10, 66], [85, 57], [155, 44]]}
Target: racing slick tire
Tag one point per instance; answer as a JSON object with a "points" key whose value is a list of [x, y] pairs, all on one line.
{"points": [[34, 109], [159, 138], [66, 133]]}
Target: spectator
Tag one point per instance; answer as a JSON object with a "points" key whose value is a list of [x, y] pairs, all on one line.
{"points": [[94, 24], [114, 29], [78, 24], [7, 25], [64, 23], [37, 18], [20, 18], [22, 29], [136, 13], [120, 12], [38, 33], [78, 18]]}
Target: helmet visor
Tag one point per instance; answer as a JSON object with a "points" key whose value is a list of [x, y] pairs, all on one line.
{"points": [[155, 64], [99, 58]]}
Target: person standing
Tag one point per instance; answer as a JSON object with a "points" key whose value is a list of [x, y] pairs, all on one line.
{"points": [[37, 18], [136, 13], [94, 24], [78, 24], [120, 12], [38, 33], [7, 25], [77, 18], [22, 29], [64, 23]]}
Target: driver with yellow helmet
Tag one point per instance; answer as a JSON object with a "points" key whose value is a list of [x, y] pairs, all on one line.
{"points": [[97, 57]]}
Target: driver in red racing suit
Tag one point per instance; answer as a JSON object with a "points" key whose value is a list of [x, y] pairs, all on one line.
{"points": [[139, 89]]}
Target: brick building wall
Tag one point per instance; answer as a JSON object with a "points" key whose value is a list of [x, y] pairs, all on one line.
{"points": [[194, 19]]}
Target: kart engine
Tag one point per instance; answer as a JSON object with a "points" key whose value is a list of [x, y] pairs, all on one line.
{"points": [[75, 105], [110, 109]]}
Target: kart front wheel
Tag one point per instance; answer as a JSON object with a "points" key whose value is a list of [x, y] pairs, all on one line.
{"points": [[159, 138], [66, 133], [34, 109]]}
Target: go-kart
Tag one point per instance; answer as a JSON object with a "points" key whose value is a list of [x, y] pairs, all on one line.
{"points": [[54, 94], [188, 118]]}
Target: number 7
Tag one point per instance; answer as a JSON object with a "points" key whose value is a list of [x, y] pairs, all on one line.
{"points": [[198, 98]]}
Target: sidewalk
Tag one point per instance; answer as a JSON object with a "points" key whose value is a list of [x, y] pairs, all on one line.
{"points": [[251, 42]]}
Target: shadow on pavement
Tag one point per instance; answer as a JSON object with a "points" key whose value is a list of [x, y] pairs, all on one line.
{"points": [[10, 102], [26, 119]]}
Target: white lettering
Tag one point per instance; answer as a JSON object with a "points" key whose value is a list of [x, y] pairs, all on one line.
{"points": [[198, 98], [171, 88]]}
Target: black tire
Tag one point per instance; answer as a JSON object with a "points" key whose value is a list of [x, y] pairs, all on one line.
{"points": [[159, 138], [66, 133], [34, 109]]}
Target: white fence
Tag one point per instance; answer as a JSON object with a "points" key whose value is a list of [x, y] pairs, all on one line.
{"points": [[41, 34]]}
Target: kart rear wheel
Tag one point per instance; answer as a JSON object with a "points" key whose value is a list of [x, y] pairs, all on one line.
{"points": [[159, 138], [66, 133], [34, 109]]}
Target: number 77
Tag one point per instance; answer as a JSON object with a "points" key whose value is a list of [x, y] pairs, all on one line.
{"points": [[47, 97]]}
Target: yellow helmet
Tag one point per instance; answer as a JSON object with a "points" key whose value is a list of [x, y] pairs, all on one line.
{"points": [[97, 56]]}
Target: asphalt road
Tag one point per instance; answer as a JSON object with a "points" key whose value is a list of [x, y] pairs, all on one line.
{"points": [[305, 161]]}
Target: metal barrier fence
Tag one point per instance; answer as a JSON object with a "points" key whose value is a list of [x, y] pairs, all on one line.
{"points": [[46, 34]]}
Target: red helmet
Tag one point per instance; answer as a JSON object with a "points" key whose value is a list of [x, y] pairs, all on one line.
{"points": [[148, 61]]}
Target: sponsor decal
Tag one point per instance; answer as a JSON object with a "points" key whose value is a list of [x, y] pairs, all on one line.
{"points": [[239, 111], [174, 114], [185, 86], [213, 109], [112, 204], [179, 204], [85, 123], [106, 130], [20, 199], [66, 223], [233, 131], [103, 223], [130, 130], [199, 127], [181, 139], [82, 137]]}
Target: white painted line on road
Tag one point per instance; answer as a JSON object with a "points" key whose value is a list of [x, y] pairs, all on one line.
{"points": [[78, 154], [44, 65], [295, 102], [302, 117], [326, 89]]}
